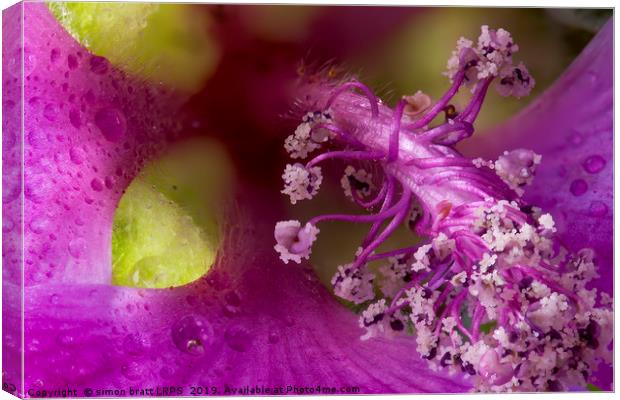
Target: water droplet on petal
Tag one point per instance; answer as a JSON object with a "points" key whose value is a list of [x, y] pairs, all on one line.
{"points": [[72, 61], [77, 247], [191, 334], [237, 338], [575, 138], [54, 55], [64, 339], [37, 188], [132, 370], [50, 111], [96, 184], [233, 303], [98, 65], [38, 383], [74, 118], [273, 338], [54, 299], [77, 155], [30, 64], [594, 164], [39, 225], [136, 343], [38, 138], [598, 209], [7, 224], [109, 182], [111, 122], [578, 187]]}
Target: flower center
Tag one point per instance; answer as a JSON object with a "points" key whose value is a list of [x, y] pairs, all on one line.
{"points": [[491, 293], [165, 230]]}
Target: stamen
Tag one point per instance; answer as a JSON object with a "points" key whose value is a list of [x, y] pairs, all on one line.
{"points": [[308, 137], [517, 168], [358, 182], [300, 182], [374, 107], [417, 103], [294, 242], [353, 285], [491, 293]]}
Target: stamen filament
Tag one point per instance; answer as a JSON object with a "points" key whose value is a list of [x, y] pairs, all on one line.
{"points": [[345, 154], [374, 106], [441, 104], [381, 216]]}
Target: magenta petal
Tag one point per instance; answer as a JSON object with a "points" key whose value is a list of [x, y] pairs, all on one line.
{"points": [[87, 132], [251, 321], [571, 126]]}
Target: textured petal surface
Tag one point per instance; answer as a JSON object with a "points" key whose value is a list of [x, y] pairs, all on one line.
{"points": [[88, 129], [571, 125], [12, 216], [251, 320]]}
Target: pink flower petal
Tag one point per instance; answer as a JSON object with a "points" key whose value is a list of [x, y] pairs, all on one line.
{"points": [[251, 320], [87, 132]]}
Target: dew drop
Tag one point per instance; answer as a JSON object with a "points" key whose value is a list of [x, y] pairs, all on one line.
{"points": [[77, 155], [594, 164], [273, 338], [38, 383], [54, 55], [30, 64], [77, 247], [96, 184], [7, 224], [54, 299], [64, 339], [111, 122], [578, 187], [575, 138], [74, 118], [233, 303], [50, 111], [39, 225], [237, 338], [132, 370], [38, 138], [8, 140], [598, 209], [11, 186], [37, 188], [72, 61], [109, 182], [191, 334], [136, 343], [98, 65]]}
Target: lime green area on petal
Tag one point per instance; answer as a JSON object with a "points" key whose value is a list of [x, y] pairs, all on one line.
{"points": [[166, 226], [167, 44]]}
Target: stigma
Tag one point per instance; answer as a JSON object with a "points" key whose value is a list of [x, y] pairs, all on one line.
{"points": [[491, 293]]}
